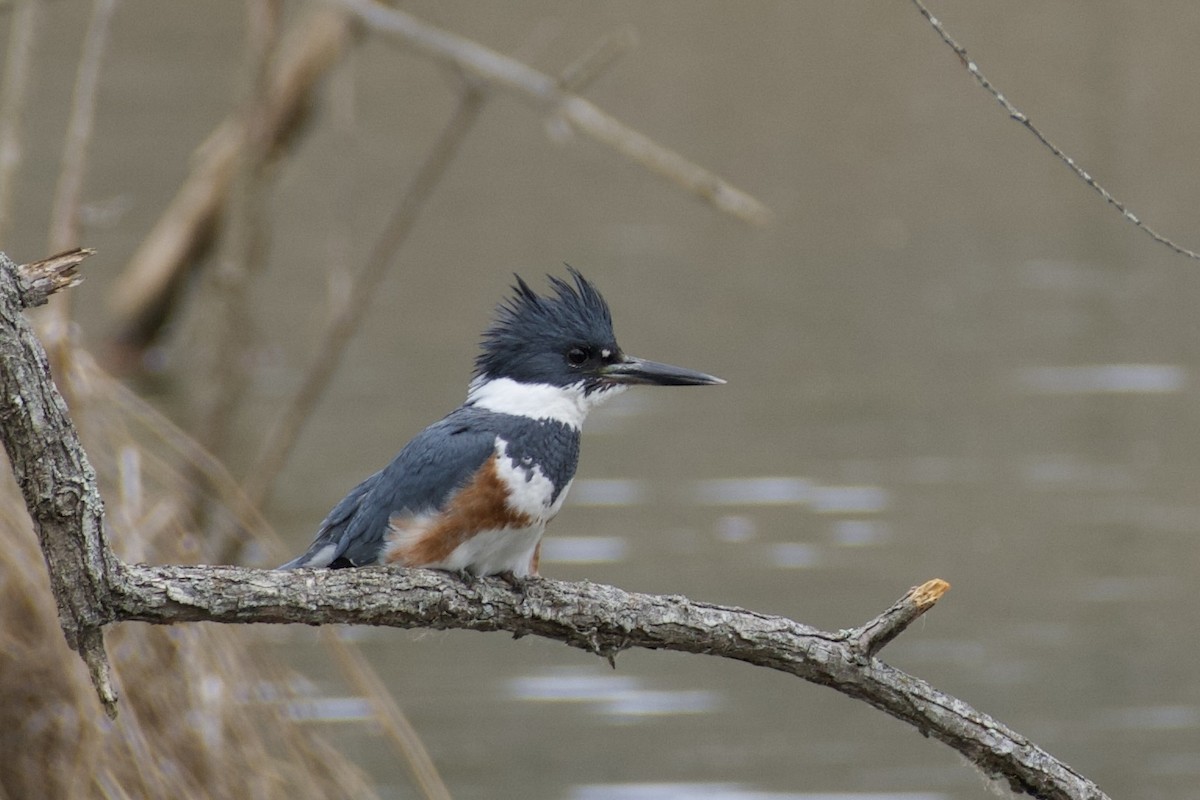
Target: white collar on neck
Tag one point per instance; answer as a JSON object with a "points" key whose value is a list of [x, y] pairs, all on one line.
{"points": [[541, 401]]}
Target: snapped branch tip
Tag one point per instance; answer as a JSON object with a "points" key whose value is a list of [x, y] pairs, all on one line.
{"points": [[930, 592]]}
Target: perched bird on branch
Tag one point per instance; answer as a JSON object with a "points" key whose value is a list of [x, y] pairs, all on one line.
{"points": [[473, 492]]}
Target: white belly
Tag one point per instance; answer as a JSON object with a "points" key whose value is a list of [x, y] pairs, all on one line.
{"points": [[493, 552]]}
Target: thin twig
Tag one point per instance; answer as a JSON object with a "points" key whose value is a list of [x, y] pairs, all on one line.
{"points": [[22, 41], [524, 82], [1022, 118]]}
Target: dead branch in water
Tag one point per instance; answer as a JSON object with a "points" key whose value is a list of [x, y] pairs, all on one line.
{"points": [[503, 73], [94, 588], [142, 298]]}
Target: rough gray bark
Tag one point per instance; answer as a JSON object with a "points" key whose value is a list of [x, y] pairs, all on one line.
{"points": [[54, 474], [93, 588], [606, 620]]}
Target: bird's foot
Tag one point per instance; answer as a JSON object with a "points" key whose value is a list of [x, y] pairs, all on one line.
{"points": [[518, 583], [466, 576]]}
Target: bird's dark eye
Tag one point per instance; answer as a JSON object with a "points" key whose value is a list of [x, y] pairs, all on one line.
{"points": [[576, 356]]}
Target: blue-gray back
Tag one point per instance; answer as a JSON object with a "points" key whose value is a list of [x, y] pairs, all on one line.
{"points": [[428, 471]]}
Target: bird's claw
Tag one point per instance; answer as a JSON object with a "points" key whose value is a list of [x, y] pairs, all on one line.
{"points": [[518, 583]]}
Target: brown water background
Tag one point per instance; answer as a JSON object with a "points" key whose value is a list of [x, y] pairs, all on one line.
{"points": [[946, 358]]}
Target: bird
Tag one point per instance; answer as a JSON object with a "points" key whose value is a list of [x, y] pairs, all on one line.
{"points": [[473, 492]]}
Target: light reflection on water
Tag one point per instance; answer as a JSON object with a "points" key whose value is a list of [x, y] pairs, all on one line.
{"points": [[754, 491], [1069, 276], [792, 490], [1126, 588], [621, 697], [572, 686], [647, 703], [724, 791], [607, 492], [331, 709], [997, 353], [734, 528], [1104, 379], [584, 549], [794, 555], [1159, 718], [1067, 471], [765, 490], [860, 532]]}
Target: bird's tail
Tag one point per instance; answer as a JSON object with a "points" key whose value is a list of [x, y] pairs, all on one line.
{"points": [[321, 554], [336, 533]]}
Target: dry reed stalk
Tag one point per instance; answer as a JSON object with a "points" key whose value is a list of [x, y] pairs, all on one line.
{"points": [[205, 714], [246, 235], [142, 298], [145, 462]]}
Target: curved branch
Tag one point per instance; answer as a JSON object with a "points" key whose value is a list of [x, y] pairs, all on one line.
{"points": [[94, 588], [605, 620]]}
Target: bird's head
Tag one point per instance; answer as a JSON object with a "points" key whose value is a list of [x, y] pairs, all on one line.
{"points": [[565, 341]]}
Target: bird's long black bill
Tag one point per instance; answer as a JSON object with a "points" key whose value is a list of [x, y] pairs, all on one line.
{"points": [[639, 371]]}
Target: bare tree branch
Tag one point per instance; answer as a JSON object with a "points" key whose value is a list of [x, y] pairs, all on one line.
{"points": [[94, 588], [57, 481], [501, 72], [875, 635], [40, 279], [1022, 118], [141, 298], [605, 620]]}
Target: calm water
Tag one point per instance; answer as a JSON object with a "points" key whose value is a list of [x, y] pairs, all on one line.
{"points": [[946, 358]]}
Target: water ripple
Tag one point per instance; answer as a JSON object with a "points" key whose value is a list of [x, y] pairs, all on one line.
{"points": [[791, 490], [724, 791], [1104, 379], [584, 549], [620, 697]]}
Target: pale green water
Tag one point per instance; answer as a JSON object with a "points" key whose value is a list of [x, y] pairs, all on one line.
{"points": [[946, 358]]}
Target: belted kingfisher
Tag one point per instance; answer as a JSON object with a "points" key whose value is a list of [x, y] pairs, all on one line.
{"points": [[473, 492]]}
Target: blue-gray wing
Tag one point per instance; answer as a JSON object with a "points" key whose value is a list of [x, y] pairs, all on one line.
{"points": [[421, 478]]}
